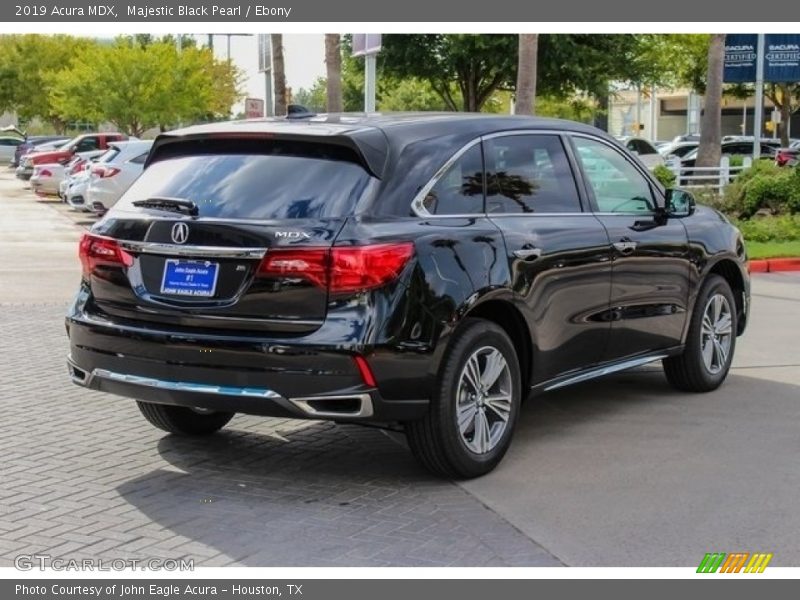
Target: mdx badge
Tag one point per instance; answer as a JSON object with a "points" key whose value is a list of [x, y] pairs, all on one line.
{"points": [[293, 235]]}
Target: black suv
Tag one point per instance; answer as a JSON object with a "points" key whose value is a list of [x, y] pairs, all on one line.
{"points": [[428, 270]]}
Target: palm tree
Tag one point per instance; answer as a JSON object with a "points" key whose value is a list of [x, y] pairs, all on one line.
{"points": [[708, 154], [526, 74], [279, 74], [333, 66]]}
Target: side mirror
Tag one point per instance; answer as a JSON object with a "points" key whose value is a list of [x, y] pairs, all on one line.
{"points": [[680, 203]]}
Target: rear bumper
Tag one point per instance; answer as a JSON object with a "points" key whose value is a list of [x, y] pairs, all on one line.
{"points": [[283, 378]]}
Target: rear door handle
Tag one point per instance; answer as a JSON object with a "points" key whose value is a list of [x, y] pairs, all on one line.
{"points": [[625, 247], [528, 253]]}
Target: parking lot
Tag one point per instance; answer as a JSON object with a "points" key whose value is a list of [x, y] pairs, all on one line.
{"points": [[618, 472]]}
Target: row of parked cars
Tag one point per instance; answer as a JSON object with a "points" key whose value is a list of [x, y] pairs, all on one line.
{"points": [[89, 172], [683, 149]]}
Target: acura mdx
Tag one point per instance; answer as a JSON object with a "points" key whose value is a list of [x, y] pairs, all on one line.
{"points": [[423, 271]]}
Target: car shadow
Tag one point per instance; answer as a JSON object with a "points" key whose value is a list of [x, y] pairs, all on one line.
{"points": [[312, 493]]}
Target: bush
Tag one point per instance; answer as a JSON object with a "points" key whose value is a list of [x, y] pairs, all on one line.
{"points": [[763, 186], [771, 229], [664, 175], [736, 160]]}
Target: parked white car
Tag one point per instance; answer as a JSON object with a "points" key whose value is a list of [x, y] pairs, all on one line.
{"points": [[75, 190], [46, 178], [679, 149], [646, 152], [114, 174]]}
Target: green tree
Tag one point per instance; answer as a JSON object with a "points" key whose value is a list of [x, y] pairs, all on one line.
{"points": [[138, 86], [27, 66], [409, 95], [467, 70], [477, 65], [314, 99]]}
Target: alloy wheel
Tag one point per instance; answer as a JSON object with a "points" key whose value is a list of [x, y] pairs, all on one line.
{"points": [[716, 333], [483, 405]]}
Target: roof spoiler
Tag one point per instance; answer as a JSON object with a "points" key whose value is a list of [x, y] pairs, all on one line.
{"points": [[370, 155]]}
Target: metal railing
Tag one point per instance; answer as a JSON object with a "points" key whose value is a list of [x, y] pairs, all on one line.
{"points": [[715, 178]]}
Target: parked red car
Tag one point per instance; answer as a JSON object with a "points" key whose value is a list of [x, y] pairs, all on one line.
{"points": [[787, 156], [86, 142]]}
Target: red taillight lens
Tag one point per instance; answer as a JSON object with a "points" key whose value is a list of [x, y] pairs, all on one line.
{"points": [[104, 172], [350, 269], [45, 173], [302, 263], [95, 250], [366, 267], [365, 370]]}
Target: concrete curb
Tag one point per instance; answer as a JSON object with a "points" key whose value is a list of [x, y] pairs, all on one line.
{"points": [[774, 265]]}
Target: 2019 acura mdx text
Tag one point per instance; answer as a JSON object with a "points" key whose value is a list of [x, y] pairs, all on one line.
{"points": [[426, 270]]}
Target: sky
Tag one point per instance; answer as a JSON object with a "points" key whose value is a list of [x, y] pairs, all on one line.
{"points": [[304, 56]]}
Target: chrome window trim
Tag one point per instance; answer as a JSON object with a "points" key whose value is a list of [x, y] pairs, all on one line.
{"points": [[192, 251], [418, 208], [417, 204]]}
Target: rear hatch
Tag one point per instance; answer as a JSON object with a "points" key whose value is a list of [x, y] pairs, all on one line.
{"points": [[226, 234]]}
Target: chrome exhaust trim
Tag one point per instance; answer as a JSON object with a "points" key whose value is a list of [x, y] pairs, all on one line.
{"points": [[364, 406]]}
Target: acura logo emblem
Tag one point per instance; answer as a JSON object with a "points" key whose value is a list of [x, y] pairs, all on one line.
{"points": [[180, 233]]}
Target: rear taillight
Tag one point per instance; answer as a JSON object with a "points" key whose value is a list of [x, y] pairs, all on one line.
{"points": [[303, 263], [104, 172], [366, 267], [45, 173], [94, 250], [341, 270]]}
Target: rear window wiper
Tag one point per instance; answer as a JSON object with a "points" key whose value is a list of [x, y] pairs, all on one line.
{"points": [[171, 204]]}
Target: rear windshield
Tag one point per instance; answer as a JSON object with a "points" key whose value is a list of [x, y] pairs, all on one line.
{"points": [[275, 183], [108, 155]]}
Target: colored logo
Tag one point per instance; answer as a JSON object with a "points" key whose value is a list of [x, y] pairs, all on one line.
{"points": [[736, 562]]}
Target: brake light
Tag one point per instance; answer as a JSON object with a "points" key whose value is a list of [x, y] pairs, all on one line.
{"points": [[45, 173], [367, 267], [95, 250], [303, 263], [104, 172], [346, 269]]}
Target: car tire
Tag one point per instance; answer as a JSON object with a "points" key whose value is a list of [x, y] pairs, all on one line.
{"points": [[710, 342], [183, 421], [468, 430]]}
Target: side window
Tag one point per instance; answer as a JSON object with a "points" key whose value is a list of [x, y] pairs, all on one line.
{"points": [[529, 174], [139, 160], [87, 144], [617, 185], [460, 190], [643, 147]]}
